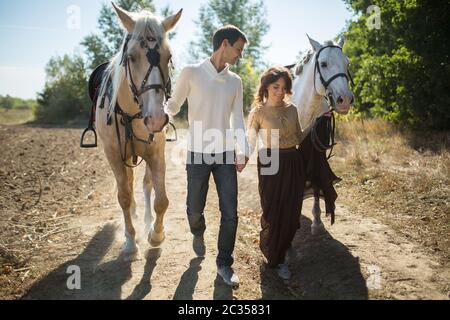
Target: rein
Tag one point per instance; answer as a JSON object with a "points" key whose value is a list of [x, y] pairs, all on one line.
{"points": [[330, 129], [328, 119], [126, 121]]}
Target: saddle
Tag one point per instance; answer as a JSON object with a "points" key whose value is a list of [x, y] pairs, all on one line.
{"points": [[95, 81], [94, 84]]}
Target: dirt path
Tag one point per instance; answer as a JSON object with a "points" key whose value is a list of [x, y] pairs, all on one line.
{"points": [[357, 258]]}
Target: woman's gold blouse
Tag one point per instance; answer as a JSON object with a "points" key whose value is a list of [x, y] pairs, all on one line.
{"points": [[265, 121]]}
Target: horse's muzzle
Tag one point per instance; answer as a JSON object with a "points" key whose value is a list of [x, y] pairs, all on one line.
{"points": [[154, 124], [343, 104]]}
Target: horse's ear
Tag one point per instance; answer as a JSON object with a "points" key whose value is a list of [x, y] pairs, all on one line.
{"points": [[125, 18], [170, 22], [316, 45], [341, 41]]}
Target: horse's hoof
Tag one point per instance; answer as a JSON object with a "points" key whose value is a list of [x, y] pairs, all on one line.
{"points": [[317, 229], [131, 253], [132, 257], [155, 239]]}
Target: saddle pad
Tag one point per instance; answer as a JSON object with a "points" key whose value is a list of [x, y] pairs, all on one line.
{"points": [[95, 79]]}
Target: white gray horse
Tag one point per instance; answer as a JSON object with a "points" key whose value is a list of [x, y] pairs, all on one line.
{"points": [[321, 84]]}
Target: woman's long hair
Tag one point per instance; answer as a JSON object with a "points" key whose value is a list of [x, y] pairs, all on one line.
{"points": [[271, 75]]}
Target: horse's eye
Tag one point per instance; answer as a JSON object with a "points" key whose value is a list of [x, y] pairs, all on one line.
{"points": [[132, 58], [323, 64]]}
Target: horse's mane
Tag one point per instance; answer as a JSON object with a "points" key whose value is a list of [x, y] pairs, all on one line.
{"points": [[307, 57], [146, 22]]}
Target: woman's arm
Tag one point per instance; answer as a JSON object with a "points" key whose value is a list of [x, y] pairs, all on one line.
{"points": [[253, 128]]}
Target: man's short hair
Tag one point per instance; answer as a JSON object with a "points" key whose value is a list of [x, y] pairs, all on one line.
{"points": [[229, 32]]}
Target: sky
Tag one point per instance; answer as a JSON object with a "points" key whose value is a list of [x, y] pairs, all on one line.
{"points": [[33, 31]]}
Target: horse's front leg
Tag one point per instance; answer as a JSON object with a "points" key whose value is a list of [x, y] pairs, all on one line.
{"points": [[125, 181], [148, 186], [317, 226], [161, 203]]}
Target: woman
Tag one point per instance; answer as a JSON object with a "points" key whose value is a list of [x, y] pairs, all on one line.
{"points": [[281, 192]]}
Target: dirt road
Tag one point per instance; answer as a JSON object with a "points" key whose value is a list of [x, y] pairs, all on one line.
{"points": [[357, 258]]}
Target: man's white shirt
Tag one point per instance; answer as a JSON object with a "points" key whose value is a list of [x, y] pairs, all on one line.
{"points": [[215, 108]]}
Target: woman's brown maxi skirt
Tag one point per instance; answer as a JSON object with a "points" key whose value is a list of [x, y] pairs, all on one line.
{"points": [[281, 197]]}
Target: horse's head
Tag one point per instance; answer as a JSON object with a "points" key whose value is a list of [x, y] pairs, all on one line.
{"points": [[332, 78], [146, 59]]}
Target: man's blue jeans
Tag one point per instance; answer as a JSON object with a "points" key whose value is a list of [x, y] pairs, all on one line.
{"points": [[199, 168]]}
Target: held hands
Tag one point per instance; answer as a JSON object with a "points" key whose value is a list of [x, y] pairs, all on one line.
{"points": [[241, 162]]}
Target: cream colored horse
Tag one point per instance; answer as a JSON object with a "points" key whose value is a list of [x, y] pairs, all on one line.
{"points": [[137, 79]]}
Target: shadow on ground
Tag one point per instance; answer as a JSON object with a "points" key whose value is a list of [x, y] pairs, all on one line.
{"points": [[322, 268], [188, 281], [101, 281]]}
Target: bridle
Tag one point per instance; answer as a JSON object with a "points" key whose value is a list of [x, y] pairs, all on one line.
{"points": [[327, 119], [154, 59], [327, 83]]}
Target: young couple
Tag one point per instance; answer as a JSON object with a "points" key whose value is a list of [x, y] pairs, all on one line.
{"points": [[215, 99]]}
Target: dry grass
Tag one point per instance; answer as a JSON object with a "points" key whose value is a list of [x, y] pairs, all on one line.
{"points": [[400, 178], [16, 116]]}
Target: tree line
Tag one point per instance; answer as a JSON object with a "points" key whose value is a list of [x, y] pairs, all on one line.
{"points": [[401, 66], [8, 103], [400, 63]]}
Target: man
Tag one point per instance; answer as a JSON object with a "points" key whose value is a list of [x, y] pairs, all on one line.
{"points": [[215, 114]]}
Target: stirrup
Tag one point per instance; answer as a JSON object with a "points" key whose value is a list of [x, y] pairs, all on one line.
{"points": [[88, 145], [175, 133]]}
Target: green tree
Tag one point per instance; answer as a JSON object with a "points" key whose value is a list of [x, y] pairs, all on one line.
{"points": [[250, 17], [401, 69], [101, 47], [6, 102], [64, 98]]}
